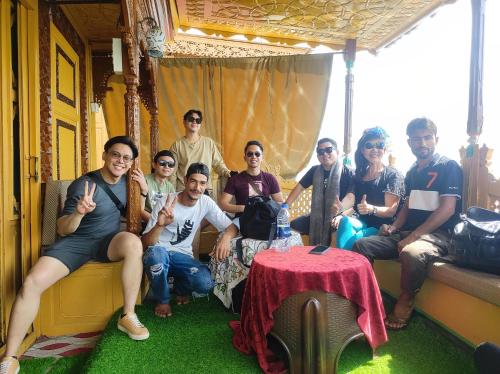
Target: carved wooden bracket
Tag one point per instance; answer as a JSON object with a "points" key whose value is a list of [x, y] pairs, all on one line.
{"points": [[102, 69]]}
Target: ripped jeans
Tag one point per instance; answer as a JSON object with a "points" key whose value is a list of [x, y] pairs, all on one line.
{"points": [[189, 274]]}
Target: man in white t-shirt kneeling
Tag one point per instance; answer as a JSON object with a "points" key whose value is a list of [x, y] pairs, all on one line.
{"points": [[168, 240]]}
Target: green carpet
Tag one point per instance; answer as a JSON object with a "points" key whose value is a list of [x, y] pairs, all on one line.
{"points": [[65, 365], [197, 339]]}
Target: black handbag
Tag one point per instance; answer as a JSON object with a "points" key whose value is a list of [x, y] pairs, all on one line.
{"points": [[476, 240]]}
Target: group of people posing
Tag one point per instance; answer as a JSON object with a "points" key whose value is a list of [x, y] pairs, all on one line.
{"points": [[374, 211]]}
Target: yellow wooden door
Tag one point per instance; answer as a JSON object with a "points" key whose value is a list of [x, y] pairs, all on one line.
{"points": [[65, 107], [19, 136]]}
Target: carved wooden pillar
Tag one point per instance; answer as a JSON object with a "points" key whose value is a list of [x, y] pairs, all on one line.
{"points": [[471, 158], [349, 57], [131, 76], [153, 111]]}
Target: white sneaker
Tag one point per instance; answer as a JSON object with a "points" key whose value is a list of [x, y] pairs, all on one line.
{"points": [[9, 365]]}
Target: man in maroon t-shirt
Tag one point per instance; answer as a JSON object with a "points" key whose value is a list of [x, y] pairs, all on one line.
{"points": [[251, 182]]}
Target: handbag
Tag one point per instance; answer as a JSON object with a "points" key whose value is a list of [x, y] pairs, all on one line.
{"points": [[258, 221], [476, 240]]}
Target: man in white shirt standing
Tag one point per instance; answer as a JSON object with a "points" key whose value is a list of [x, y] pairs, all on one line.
{"points": [[168, 240]]}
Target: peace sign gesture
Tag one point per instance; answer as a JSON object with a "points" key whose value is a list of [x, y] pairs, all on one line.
{"points": [[86, 203], [166, 214]]}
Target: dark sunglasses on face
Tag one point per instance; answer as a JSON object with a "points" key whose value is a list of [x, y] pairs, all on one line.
{"points": [[192, 119], [251, 154], [164, 163], [380, 145], [322, 151]]}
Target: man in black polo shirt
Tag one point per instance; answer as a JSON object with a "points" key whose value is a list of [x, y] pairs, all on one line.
{"points": [[330, 181], [421, 232]]}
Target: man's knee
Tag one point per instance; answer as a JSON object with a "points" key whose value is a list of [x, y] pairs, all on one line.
{"points": [[155, 254], [201, 280], [130, 243], [360, 246], [32, 285]]}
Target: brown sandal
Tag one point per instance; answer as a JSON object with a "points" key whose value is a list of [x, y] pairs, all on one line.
{"points": [[395, 323]]}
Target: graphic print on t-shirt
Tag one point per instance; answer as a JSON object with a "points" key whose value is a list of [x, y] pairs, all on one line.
{"points": [[251, 190], [184, 232]]}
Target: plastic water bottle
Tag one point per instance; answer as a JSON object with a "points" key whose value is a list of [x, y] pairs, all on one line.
{"points": [[283, 222]]}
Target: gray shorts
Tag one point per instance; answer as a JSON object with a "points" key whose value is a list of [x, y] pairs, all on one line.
{"points": [[74, 251]]}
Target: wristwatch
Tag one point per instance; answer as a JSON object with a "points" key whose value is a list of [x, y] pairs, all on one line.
{"points": [[375, 210]]}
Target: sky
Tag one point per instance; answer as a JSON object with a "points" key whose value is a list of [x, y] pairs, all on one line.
{"points": [[424, 73]]}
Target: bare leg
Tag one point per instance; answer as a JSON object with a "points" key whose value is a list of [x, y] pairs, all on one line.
{"points": [[128, 247], [44, 274]]}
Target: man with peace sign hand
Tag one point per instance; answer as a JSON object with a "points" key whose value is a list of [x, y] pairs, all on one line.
{"points": [[168, 240], [89, 228]]}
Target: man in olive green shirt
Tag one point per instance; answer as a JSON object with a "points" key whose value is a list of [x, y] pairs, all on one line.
{"points": [[157, 181], [193, 148]]}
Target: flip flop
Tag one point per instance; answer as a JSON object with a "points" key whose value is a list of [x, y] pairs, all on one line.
{"points": [[395, 323]]}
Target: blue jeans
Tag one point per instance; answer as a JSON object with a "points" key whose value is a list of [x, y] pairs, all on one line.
{"points": [[351, 229], [189, 274]]}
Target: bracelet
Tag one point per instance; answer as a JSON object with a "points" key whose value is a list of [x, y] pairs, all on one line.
{"points": [[144, 194], [374, 211]]}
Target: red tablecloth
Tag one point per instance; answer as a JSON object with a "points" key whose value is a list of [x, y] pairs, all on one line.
{"points": [[276, 275]]}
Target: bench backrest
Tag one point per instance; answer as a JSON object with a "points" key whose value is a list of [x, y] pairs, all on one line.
{"points": [[55, 195]]}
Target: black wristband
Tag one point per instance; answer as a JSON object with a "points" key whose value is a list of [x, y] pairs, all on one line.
{"points": [[144, 194]]}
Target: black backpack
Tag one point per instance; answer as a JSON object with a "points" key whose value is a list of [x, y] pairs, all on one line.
{"points": [[476, 241]]}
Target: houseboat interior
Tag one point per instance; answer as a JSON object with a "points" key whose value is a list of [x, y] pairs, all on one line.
{"points": [[74, 73]]}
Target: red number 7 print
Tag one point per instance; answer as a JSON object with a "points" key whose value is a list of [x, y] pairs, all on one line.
{"points": [[433, 175]]}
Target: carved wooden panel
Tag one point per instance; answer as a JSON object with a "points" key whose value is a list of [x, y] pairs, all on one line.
{"points": [[66, 147], [373, 23], [65, 67]]}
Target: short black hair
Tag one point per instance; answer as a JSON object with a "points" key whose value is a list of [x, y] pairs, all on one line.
{"points": [[254, 142], [421, 123], [122, 139], [198, 168], [327, 140], [193, 111], [163, 153]]}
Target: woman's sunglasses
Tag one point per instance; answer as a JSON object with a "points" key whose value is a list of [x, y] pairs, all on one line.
{"points": [[369, 145], [251, 154], [164, 163], [192, 119], [322, 151]]}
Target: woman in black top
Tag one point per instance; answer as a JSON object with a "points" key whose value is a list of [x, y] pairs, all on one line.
{"points": [[374, 194]]}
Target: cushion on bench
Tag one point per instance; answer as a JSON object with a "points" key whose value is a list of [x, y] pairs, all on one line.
{"points": [[482, 285]]}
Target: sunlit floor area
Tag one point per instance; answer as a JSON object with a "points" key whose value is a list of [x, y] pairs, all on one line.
{"points": [[197, 339]]}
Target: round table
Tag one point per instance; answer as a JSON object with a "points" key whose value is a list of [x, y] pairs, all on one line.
{"points": [[274, 276]]}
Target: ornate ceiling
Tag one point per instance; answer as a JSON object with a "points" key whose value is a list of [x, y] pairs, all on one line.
{"points": [[374, 23]]}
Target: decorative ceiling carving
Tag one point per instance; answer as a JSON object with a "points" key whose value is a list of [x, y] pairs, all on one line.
{"points": [[97, 22], [374, 23], [186, 45]]}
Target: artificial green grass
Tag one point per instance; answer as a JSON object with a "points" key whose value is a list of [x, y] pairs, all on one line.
{"points": [[197, 339], [52, 365]]}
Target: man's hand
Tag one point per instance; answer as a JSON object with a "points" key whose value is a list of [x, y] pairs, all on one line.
{"points": [[221, 250], [406, 241], [336, 221], [166, 214], [86, 203], [386, 230], [364, 207], [138, 176], [336, 207]]}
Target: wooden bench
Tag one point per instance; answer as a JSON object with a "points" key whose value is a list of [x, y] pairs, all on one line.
{"points": [[85, 300]]}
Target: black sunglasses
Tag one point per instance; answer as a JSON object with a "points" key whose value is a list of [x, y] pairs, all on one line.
{"points": [[379, 145], [192, 119], [256, 154], [164, 163], [322, 151]]}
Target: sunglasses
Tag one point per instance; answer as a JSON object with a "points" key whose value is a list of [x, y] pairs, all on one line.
{"points": [[256, 154], [369, 145], [192, 119], [322, 151], [164, 163]]}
